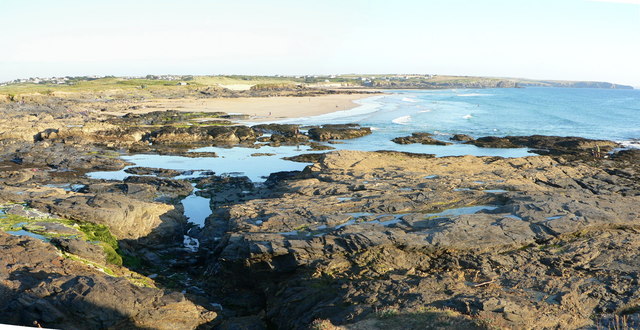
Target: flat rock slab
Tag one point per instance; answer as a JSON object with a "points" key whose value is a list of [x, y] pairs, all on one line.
{"points": [[481, 235]]}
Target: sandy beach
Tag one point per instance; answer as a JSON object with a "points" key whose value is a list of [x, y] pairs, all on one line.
{"points": [[259, 108]]}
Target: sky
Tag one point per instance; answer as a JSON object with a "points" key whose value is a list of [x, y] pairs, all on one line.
{"points": [[539, 39]]}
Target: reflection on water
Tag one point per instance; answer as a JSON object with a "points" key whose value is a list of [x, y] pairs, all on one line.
{"points": [[461, 211], [196, 208], [235, 161], [23, 232]]}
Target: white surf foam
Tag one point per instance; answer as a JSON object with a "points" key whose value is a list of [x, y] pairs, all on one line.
{"points": [[422, 111], [403, 120], [191, 244], [366, 106], [408, 99], [635, 144], [467, 116]]}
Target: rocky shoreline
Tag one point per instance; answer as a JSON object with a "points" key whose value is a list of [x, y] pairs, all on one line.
{"points": [[358, 240]]}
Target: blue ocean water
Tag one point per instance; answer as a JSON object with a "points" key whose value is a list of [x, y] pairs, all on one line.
{"points": [[592, 113]]}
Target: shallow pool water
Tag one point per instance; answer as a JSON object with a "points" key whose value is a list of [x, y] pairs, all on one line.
{"points": [[196, 208], [461, 211], [233, 161], [23, 232]]}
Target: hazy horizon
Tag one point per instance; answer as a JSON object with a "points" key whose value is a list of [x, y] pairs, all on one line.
{"points": [[585, 40], [310, 75]]}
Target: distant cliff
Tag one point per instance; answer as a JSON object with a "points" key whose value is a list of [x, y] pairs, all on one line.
{"points": [[571, 84], [442, 82], [451, 82]]}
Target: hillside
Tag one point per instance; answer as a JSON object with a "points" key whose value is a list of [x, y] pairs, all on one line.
{"points": [[183, 85]]}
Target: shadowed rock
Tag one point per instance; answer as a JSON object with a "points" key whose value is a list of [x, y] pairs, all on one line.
{"points": [[423, 138], [338, 132], [41, 288], [549, 145], [451, 232], [461, 137], [162, 172]]}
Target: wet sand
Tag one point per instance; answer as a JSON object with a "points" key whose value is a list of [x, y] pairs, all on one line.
{"points": [[259, 108]]}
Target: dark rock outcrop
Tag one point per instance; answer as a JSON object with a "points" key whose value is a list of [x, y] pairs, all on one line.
{"points": [[161, 118], [360, 232], [60, 156], [494, 142], [161, 172], [550, 145], [338, 132], [305, 158], [169, 135], [286, 130], [41, 288], [461, 137], [423, 138]]}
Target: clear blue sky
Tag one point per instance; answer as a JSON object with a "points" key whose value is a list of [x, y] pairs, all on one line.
{"points": [[546, 39]]}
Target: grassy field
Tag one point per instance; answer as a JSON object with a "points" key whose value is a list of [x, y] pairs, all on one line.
{"points": [[243, 80], [84, 86], [104, 84], [240, 82]]}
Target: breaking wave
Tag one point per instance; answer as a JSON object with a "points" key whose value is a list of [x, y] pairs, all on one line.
{"points": [[402, 120]]}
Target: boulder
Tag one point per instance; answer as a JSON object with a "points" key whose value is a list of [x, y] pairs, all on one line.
{"points": [[338, 132], [549, 145], [126, 218], [286, 130], [423, 138], [461, 138], [169, 135], [161, 172], [494, 142]]}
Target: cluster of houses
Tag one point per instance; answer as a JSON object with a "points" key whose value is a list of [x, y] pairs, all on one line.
{"points": [[363, 80], [369, 80], [70, 80], [163, 77], [38, 80]]}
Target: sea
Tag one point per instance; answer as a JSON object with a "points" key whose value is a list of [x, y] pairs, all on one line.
{"points": [[609, 114], [612, 114]]}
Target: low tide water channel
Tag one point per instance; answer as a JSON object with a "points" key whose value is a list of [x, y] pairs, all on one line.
{"points": [[258, 163]]}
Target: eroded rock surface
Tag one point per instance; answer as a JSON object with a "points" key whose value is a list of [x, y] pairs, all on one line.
{"points": [[573, 147], [537, 242], [39, 287], [338, 132], [127, 218], [532, 242]]}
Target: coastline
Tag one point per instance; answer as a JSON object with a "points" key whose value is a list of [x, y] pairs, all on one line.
{"points": [[260, 109], [404, 207]]}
